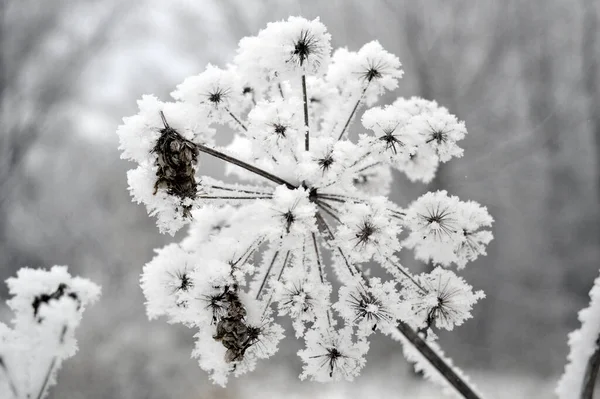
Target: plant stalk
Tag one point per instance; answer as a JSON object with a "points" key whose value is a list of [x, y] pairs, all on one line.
{"points": [[444, 369], [242, 164]]}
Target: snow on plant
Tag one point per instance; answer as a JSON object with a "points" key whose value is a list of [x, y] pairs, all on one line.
{"points": [[580, 374], [310, 204], [47, 308]]}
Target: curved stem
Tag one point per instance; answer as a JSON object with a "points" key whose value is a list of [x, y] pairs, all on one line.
{"points": [[436, 361], [591, 373], [242, 164]]}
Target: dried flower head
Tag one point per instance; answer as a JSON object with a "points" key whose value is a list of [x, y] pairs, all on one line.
{"points": [[309, 205]]}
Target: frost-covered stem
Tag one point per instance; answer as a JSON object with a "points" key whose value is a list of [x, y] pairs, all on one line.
{"points": [[11, 383], [362, 95], [406, 274], [307, 133], [248, 252], [321, 273], [262, 284], [42, 390], [440, 365], [242, 164], [218, 197], [285, 262], [238, 190], [318, 258], [591, 373], [322, 222], [328, 209], [339, 197], [368, 167], [235, 118], [40, 394]]}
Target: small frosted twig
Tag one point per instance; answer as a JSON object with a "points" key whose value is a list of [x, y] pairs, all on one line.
{"points": [[307, 133], [235, 118], [217, 197], [323, 223], [234, 189], [368, 167], [580, 374], [359, 160], [339, 198], [321, 273], [11, 383], [285, 263], [264, 281], [362, 95], [328, 209], [40, 394], [42, 390], [318, 257], [242, 164], [248, 252], [406, 274]]}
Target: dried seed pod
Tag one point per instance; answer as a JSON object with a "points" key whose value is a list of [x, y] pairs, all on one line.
{"points": [[176, 157], [232, 331]]}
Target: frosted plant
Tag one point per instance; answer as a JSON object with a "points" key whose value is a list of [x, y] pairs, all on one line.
{"points": [[306, 205], [47, 308], [579, 378]]}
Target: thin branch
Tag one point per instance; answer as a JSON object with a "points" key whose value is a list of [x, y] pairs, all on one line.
{"points": [[285, 262], [42, 390], [368, 167], [235, 118], [249, 251], [328, 209], [307, 133], [339, 197], [237, 190], [11, 383], [46, 379], [362, 95], [436, 361], [215, 197], [262, 285], [406, 274], [591, 373], [318, 258], [242, 164], [322, 222], [328, 198]]}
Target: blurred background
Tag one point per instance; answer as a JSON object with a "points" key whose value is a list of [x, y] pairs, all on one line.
{"points": [[524, 75]]}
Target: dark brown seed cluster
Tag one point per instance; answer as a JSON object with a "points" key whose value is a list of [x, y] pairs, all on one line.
{"points": [[232, 331], [175, 159]]}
